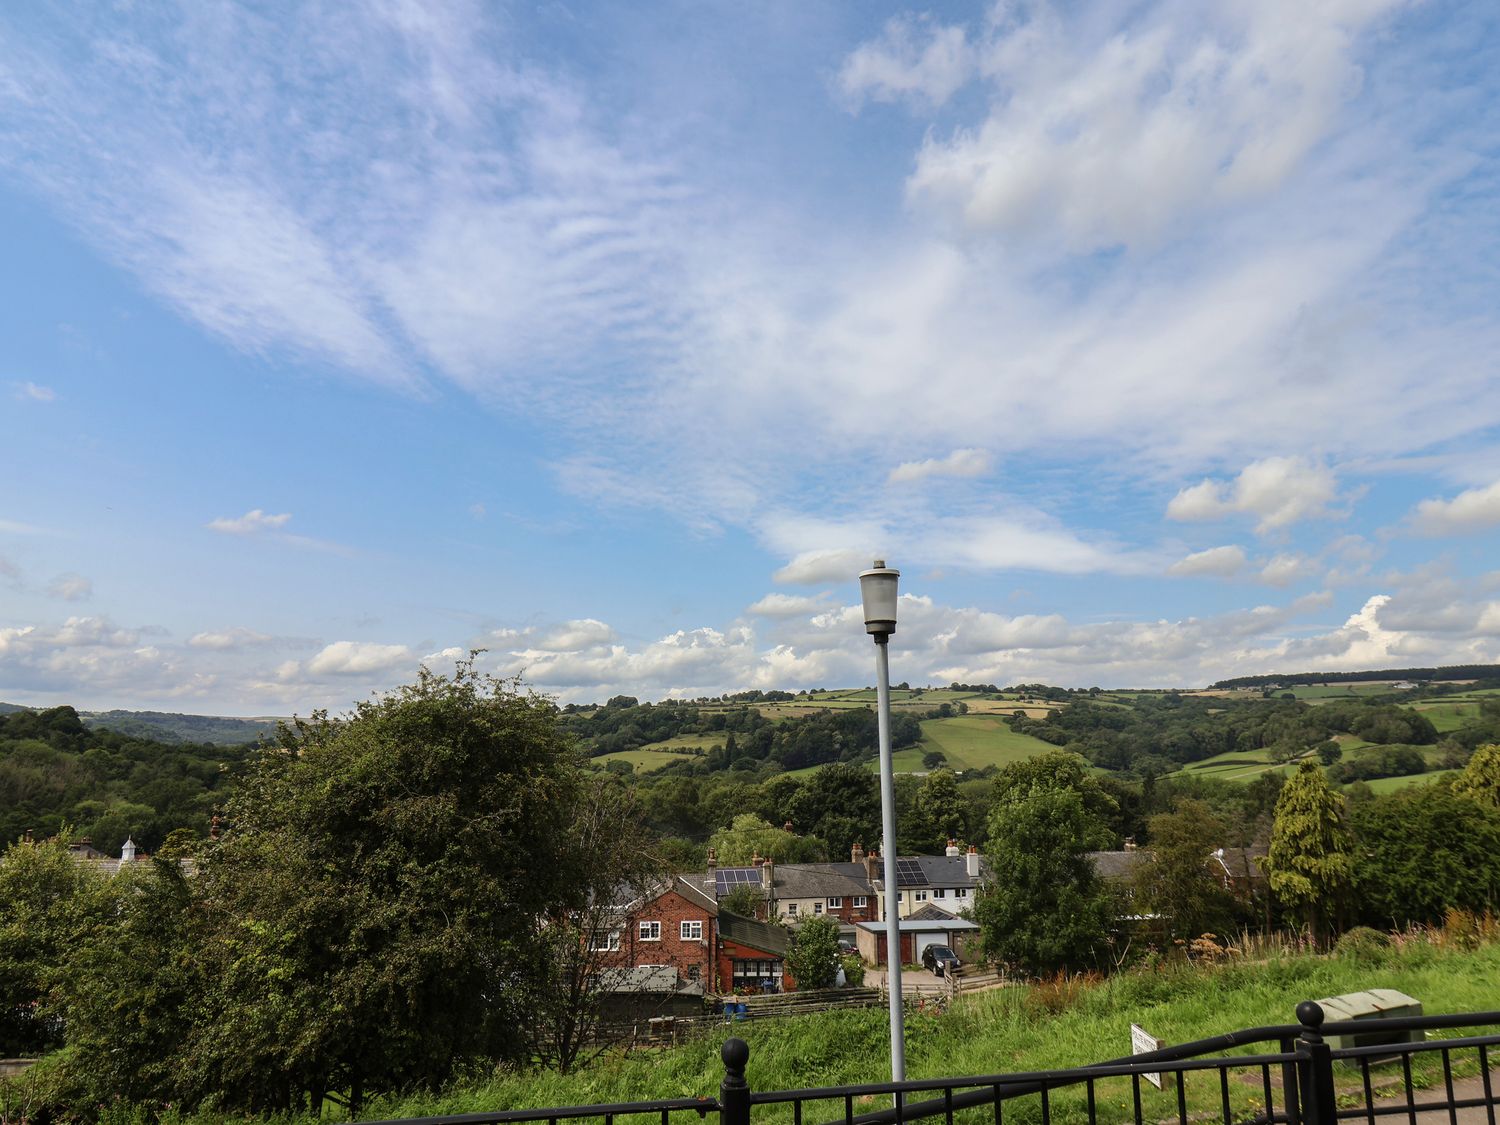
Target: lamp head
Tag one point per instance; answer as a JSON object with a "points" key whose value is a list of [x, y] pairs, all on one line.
{"points": [[877, 586]]}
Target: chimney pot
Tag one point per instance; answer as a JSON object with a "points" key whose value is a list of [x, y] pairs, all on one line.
{"points": [[952, 848], [857, 853], [787, 827], [971, 862]]}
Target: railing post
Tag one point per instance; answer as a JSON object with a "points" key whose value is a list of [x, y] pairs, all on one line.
{"points": [[734, 1091], [1314, 1068]]}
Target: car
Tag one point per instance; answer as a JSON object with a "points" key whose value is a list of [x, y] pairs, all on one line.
{"points": [[940, 959], [847, 947]]}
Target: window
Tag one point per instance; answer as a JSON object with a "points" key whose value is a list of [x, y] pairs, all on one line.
{"points": [[753, 972], [939, 893], [860, 901], [817, 908], [791, 910], [606, 942], [962, 892], [691, 931], [651, 931], [920, 896], [835, 902]]}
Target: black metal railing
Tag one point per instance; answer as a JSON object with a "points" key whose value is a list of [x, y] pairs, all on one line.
{"points": [[1278, 1075]]}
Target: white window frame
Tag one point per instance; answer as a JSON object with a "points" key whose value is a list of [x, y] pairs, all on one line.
{"points": [[919, 896], [650, 931], [791, 910], [939, 892], [861, 902], [817, 909], [690, 930], [961, 892], [607, 941], [835, 902]]}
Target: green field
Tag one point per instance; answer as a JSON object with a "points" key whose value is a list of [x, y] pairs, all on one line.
{"points": [[971, 742], [1237, 765], [1391, 784], [658, 754], [1448, 715]]}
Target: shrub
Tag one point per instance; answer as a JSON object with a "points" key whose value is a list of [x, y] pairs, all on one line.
{"points": [[1363, 945], [854, 970], [1055, 995]]}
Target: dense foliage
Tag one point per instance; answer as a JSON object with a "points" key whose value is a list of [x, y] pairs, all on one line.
{"points": [[55, 771]]}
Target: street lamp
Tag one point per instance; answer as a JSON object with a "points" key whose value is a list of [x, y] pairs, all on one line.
{"points": [[877, 587]]}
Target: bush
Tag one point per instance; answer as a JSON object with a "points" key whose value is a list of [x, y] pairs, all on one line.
{"points": [[854, 970], [1363, 945]]}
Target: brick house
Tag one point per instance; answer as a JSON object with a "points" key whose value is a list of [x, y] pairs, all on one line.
{"points": [[671, 926], [752, 955]]}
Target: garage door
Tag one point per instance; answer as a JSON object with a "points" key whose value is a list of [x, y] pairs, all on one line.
{"points": [[924, 940]]}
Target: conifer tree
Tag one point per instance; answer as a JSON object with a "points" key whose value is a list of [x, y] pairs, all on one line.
{"points": [[1311, 865]]}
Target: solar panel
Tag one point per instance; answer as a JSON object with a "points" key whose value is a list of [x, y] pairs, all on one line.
{"points": [[727, 877], [909, 873]]}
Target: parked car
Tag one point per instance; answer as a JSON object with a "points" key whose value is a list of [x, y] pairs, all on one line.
{"points": [[847, 947], [939, 959]]}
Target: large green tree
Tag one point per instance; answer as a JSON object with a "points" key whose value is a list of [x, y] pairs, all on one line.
{"points": [[1480, 780], [1044, 907], [1311, 861], [379, 896], [749, 837]]}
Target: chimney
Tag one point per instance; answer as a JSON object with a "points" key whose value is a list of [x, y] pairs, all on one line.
{"points": [[857, 853], [952, 849], [872, 866], [1130, 843], [28, 839], [971, 862], [768, 875], [127, 853], [787, 827], [710, 883], [213, 827], [755, 860]]}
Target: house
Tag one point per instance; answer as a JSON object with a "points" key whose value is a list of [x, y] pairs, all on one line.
{"points": [[669, 927], [929, 925], [948, 881]]}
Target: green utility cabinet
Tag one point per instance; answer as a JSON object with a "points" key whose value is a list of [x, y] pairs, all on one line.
{"points": [[1375, 1006]]}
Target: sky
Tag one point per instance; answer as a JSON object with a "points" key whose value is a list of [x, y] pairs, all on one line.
{"points": [[1153, 341]]}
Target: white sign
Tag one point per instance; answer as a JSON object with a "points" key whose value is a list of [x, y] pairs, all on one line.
{"points": [[1140, 1043]]}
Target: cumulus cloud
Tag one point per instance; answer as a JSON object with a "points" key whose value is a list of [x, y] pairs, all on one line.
{"points": [[34, 392], [1280, 491], [252, 522], [1471, 510], [1216, 562], [809, 568], [912, 58], [349, 658], [70, 588], [1284, 569], [574, 635], [959, 463]]}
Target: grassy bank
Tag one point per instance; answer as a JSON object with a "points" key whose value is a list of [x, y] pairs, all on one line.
{"points": [[1000, 1031]]}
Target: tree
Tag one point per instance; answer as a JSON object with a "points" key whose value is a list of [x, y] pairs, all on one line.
{"points": [[380, 895], [1043, 908], [1311, 863], [813, 959], [1057, 769], [1480, 780], [936, 815], [46, 899], [611, 858], [1178, 882], [743, 899], [840, 805], [748, 836], [1423, 851]]}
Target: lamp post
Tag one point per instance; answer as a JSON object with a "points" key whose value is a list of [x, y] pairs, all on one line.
{"points": [[877, 587]]}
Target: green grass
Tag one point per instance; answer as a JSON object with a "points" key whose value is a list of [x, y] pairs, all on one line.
{"points": [[1236, 765], [971, 742], [1448, 715], [1391, 784], [996, 1032]]}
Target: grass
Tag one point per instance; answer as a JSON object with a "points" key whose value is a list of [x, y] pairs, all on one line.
{"points": [[1006, 1030], [971, 742], [1391, 784], [1448, 715], [1236, 765]]}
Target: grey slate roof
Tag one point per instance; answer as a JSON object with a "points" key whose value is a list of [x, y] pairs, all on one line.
{"points": [[765, 936], [820, 880]]}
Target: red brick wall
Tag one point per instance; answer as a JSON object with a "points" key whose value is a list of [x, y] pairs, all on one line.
{"points": [[732, 951], [671, 910]]}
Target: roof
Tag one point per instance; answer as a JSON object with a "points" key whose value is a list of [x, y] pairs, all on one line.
{"points": [[1119, 865], [765, 936], [949, 924], [935, 871], [1242, 863], [931, 913], [628, 896], [647, 978], [820, 880]]}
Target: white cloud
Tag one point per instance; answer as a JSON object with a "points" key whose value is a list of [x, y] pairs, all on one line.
{"points": [[809, 568], [347, 658], [575, 635], [912, 59], [1217, 562], [1471, 510], [34, 392], [1281, 491], [226, 639], [959, 463], [1108, 129], [788, 605], [70, 588], [1284, 569], [251, 523]]}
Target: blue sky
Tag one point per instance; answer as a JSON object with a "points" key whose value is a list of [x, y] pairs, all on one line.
{"points": [[1153, 341]]}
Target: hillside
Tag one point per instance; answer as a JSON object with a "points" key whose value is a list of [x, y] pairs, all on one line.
{"points": [[165, 726]]}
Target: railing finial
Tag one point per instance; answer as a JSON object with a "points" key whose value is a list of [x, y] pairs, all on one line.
{"points": [[734, 1091], [1310, 1016]]}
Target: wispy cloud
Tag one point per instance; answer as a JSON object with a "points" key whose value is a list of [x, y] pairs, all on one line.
{"points": [[959, 463], [70, 588], [33, 392], [252, 522]]}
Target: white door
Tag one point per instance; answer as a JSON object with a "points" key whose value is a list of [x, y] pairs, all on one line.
{"points": [[924, 940]]}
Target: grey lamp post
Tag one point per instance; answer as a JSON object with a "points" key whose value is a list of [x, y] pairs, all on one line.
{"points": [[877, 587]]}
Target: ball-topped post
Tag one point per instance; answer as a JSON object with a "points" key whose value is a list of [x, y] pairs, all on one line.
{"points": [[734, 1091]]}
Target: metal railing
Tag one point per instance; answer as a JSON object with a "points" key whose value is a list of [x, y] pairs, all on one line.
{"points": [[1278, 1075]]}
